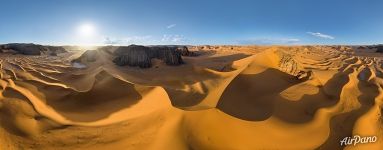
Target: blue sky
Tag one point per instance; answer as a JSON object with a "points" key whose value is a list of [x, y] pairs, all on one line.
{"points": [[126, 22]]}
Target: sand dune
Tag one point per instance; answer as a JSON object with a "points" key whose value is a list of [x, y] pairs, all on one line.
{"points": [[230, 97]]}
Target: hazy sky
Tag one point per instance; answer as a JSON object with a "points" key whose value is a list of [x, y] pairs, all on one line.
{"points": [[192, 21]]}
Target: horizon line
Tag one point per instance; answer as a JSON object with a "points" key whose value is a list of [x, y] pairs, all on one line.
{"points": [[86, 45]]}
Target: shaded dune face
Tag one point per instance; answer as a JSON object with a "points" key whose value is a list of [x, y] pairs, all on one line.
{"points": [[253, 97], [303, 97], [93, 104]]}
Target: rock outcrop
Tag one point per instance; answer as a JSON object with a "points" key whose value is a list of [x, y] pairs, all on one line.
{"points": [[141, 56], [33, 49], [25, 49], [361, 47], [379, 48], [185, 51], [134, 55], [169, 55]]}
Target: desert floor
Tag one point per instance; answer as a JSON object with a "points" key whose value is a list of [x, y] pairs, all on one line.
{"points": [[229, 98]]}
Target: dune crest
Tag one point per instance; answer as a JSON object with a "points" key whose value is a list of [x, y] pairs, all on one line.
{"points": [[229, 97]]}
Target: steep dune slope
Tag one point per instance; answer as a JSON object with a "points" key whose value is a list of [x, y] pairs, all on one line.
{"points": [[303, 97]]}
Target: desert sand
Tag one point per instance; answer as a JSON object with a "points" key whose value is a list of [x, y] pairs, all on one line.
{"points": [[226, 98]]}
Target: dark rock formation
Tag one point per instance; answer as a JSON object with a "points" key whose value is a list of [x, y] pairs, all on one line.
{"points": [[171, 56], [133, 55], [379, 48], [185, 51], [33, 49], [361, 47], [136, 55], [26, 49]]}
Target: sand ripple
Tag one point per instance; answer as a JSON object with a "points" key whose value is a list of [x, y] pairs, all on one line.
{"points": [[307, 97]]}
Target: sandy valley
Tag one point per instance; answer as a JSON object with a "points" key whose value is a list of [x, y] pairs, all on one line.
{"points": [[194, 97]]}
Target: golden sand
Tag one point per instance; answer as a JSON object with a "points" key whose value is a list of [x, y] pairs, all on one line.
{"points": [[229, 98]]}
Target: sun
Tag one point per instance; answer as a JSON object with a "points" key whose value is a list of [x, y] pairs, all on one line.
{"points": [[87, 34], [86, 30]]}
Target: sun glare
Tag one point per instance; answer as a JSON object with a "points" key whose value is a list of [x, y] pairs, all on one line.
{"points": [[86, 30], [87, 35]]}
